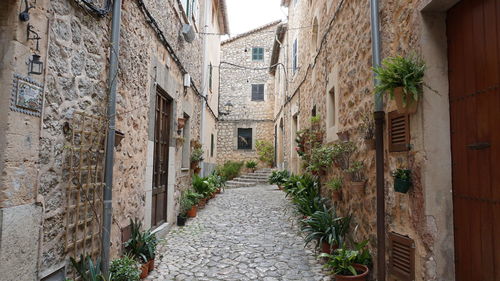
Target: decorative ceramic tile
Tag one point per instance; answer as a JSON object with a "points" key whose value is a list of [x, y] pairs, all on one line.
{"points": [[26, 95]]}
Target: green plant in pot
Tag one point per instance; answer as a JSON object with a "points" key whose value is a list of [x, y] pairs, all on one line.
{"points": [[251, 165], [347, 264], [321, 159], [367, 130], [87, 270], [357, 175], [403, 79], [402, 180], [184, 206], [335, 186], [279, 178], [326, 228], [342, 152], [125, 269], [265, 150]]}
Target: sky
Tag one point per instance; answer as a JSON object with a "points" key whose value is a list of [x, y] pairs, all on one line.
{"points": [[245, 15]]}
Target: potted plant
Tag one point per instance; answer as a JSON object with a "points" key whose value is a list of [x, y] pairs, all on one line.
{"points": [[251, 165], [179, 141], [279, 178], [358, 180], [184, 206], [335, 185], [326, 228], [367, 130], [181, 122], [402, 180], [322, 158], [194, 198], [151, 242], [348, 264], [403, 79], [125, 269], [87, 270], [342, 152], [136, 246]]}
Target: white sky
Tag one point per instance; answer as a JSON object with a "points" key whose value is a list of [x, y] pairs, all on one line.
{"points": [[245, 15]]}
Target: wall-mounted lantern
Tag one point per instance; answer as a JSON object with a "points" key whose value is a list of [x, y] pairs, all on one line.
{"points": [[228, 107], [181, 122], [25, 15], [35, 65]]}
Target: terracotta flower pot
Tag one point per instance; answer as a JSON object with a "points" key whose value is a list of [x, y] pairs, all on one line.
{"points": [[181, 122], [192, 212], [411, 105], [197, 170], [361, 269], [337, 195], [151, 265], [202, 203], [370, 144], [217, 191], [144, 271], [358, 187], [327, 249]]}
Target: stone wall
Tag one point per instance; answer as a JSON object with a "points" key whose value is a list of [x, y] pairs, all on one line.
{"points": [[342, 57], [76, 80], [238, 73]]}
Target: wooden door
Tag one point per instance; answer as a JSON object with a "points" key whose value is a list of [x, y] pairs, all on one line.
{"points": [[473, 28], [160, 164]]}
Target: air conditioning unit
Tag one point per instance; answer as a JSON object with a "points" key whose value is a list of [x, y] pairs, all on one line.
{"points": [[187, 80], [188, 33]]}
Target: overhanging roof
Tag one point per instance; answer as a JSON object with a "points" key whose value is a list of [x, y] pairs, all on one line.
{"points": [[280, 35], [250, 32]]}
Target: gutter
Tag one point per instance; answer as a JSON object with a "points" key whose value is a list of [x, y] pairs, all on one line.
{"points": [[379, 117], [110, 140]]}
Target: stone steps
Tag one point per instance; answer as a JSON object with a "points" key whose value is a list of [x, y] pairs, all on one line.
{"points": [[251, 179]]}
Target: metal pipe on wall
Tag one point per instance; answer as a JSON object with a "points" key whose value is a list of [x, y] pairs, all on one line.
{"points": [[110, 140], [379, 116]]}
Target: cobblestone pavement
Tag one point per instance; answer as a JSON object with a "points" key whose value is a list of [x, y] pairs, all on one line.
{"points": [[243, 234]]}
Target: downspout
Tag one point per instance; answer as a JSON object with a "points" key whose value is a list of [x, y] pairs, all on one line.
{"points": [[204, 81], [379, 116], [110, 140]]}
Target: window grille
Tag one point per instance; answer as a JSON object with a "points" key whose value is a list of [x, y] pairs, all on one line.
{"points": [[244, 138], [257, 54]]}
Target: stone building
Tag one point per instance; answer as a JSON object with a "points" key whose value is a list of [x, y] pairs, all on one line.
{"points": [[53, 122], [246, 96], [328, 53]]}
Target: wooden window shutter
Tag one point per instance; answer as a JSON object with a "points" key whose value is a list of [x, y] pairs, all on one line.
{"points": [[399, 131], [402, 257]]}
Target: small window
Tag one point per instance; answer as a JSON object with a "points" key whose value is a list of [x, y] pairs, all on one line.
{"points": [[257, 54], [212, 145], [295, 59], [244, 138], [257, 92], [314, 111], [210, 77]]}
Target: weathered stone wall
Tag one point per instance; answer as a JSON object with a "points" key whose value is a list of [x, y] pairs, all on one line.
{"points": [[344, 59], [76, 80], [236, 89]]}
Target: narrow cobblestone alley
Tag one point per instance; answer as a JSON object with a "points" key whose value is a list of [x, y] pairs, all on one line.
{"points": [[243, 234]]}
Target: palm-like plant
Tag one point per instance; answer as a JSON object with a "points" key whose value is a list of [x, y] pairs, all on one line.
{"points": [[88, 270], [326, 226]]}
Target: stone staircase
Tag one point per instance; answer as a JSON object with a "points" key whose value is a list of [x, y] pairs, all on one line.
{"points": [[260, 176]]}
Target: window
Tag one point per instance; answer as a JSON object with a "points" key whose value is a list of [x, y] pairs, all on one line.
{"points": [[314, 112], [191, 9], [212, 145], [210, 71], [257, 92], [244, 138], [186, 145], [257, 54], [295, 59]]}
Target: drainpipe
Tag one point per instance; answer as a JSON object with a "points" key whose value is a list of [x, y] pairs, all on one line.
{"points": [[110, 140], [379, 116], [204, 82]]}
